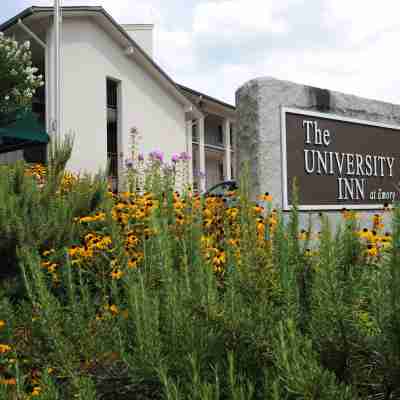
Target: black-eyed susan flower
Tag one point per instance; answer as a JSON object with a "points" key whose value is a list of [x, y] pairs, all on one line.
{"points": [[114, 309], [303, 235], [4, 348], [36, 391], [117, 274], [372, 250], [265, 197]]}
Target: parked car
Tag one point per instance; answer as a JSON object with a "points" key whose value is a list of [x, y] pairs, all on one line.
{"points": [[224, 190], [221, 189]]}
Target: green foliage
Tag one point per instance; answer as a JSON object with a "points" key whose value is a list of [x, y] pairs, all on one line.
{"points": [[290, 317], [19, 79]]}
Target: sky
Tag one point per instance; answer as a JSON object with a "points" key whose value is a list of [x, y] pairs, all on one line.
{"points": [[215, 46]]}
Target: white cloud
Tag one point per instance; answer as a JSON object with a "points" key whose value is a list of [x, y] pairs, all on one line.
{"points": [[232, 18], [361, 19], [360, 59], [174, 50]]}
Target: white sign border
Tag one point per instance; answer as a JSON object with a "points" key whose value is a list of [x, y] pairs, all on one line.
{"points": [[310, 113]]}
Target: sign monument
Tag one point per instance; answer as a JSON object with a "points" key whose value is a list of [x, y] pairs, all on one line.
{"points": [[343, 150], [339, 162]]}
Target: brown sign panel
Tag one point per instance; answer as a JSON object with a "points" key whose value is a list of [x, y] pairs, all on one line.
{"points": [[339, 162]]}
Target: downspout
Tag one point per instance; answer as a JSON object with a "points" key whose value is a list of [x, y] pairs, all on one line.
{"points": [[57, 65]]}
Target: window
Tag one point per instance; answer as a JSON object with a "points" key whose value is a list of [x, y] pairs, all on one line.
{"points": [[112, 94], [231, 134], [195, 131], [220, 137], [112, 132]]}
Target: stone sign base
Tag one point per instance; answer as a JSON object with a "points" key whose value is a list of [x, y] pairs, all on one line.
{"points": [[259, 128]]}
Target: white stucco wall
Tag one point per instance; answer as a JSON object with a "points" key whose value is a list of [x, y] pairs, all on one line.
{"points": [[89, 56], [142, 35]]}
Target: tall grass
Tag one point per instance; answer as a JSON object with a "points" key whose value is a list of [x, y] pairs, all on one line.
{"points": [[233, 303]]}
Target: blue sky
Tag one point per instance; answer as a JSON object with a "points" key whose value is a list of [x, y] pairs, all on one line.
{"points": [[215, 46]]}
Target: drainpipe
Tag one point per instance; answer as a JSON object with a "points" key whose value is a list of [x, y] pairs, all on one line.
{"points": [[57, 26]]}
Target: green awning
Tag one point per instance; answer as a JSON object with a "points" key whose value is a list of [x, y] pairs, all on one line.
{"points": [[26, 127]]}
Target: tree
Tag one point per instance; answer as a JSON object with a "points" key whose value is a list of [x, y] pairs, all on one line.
{"points": [[18, 78]]}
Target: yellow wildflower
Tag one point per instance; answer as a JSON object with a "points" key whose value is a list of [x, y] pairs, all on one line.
{"points": [[36, 391], [4, 348], [114, 309], [48, 252], [133, 263], [372, 251], [265, 197], [9, 381], [117, 274]]}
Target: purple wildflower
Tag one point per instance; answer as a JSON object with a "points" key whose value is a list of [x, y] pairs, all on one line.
{"points": [[157, 155], [175, 158], [128, 163], [184, 156]]}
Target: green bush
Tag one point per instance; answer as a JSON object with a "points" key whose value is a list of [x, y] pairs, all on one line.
{"points": [[165, 296]]}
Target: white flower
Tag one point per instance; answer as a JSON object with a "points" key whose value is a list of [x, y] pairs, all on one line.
{"points": [[27, 45], [6, 98]]}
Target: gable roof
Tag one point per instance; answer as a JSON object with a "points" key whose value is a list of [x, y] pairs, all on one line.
{"points": [[206, 97], [118, 32], [208, 104]]}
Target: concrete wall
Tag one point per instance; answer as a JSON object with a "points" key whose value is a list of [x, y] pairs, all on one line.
{"points": [[259, 103], [89, 57]]}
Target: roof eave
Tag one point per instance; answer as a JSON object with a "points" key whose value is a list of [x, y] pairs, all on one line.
{"points": [[206, 97]]}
